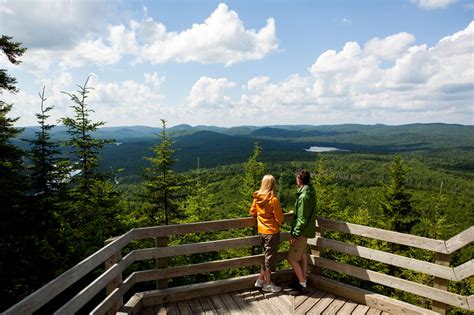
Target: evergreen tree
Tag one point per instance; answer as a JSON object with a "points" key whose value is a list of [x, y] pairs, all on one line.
{"points": [[162, 185], [16, 244], [397, 205], [15, 224], [326, 192], [253, 173], [90, 209], [199, 203], [47, 187], [13, 50], [44, 155], [86, 148]]}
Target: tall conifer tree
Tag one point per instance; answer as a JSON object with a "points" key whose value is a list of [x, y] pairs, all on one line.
{"points": [[397, 205], [162, 185], [90, 213], [15, 225]]}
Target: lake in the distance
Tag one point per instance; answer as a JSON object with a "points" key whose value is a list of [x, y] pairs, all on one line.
{"points": [[323, 149]]}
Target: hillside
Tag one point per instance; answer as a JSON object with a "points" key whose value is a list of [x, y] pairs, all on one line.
{"points": [[215, 146]]}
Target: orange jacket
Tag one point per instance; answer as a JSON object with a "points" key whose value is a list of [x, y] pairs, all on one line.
{"points": [[268, 212]]}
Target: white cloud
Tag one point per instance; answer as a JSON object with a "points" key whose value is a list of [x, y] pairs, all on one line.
{"points": [[433, 4], [208, 91], [257, 83], [220, 39], [123, 103], [92, 51], [423, 84], [52, 24], [389, 47]]}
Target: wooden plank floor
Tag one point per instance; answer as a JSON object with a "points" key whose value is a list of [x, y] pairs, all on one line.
{"points": [[258, 302]]}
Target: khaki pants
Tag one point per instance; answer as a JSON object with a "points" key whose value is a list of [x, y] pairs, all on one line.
{"points": [[297, 249]]}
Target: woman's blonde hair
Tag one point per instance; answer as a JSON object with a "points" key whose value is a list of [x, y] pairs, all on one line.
{"points": [[268, 186]]}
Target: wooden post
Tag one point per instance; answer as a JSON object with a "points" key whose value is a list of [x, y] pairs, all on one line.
{"points": [[439, 283], [315, 250], [161, 263], [117, 281]]}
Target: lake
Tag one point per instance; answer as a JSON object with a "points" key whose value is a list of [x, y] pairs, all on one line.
{"points": [[323, 149]]}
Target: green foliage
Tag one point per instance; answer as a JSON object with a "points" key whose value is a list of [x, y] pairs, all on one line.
{"points": [[397, 205], [253, 173], [12, 50], [85, 146], [88, 210], [161, 184], [46, 175], [15, 225]]}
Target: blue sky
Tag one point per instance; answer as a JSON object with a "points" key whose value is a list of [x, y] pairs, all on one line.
{"points": [[246, 62]]}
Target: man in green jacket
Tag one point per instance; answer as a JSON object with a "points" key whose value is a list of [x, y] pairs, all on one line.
{"points": [[302, 228]]}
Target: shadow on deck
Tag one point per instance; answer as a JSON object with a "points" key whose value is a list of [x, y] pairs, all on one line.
{"points": [[238, 296], [258, 302]]}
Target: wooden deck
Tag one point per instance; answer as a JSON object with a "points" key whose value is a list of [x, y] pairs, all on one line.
{"points": [[258, 302]]}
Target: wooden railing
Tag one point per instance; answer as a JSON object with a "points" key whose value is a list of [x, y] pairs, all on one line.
{"points": [[112, 283], [440, 269]]}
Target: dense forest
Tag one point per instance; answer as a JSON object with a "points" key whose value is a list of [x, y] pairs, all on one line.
{"points": [[66, 189]]}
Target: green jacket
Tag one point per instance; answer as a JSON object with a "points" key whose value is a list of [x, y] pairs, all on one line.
{"points": [[304, 221]]}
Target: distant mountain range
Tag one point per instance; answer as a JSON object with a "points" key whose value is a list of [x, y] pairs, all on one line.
{"points": [[218, 145]]}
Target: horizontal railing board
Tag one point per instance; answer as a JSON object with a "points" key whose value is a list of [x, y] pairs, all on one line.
{"points": [[42, 296], [384, 235], [462, 239], [114, 296], [368, 298], [393, 282], [188, 249], [210, 226], [81, 299], [133, 306], [156, 297], [186, 270], [46, 293], [465, 270], [387, 258]]}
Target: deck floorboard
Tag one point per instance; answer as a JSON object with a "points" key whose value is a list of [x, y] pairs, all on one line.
{"points": [[257, 302]]}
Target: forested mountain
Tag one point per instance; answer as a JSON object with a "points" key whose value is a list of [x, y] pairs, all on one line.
{"points": [[215, 146]]}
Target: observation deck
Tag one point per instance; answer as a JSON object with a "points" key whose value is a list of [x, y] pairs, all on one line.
{"points": [[109, 293]]}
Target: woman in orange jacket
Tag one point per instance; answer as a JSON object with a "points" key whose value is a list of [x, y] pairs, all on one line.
{"points": [[266, 208]]}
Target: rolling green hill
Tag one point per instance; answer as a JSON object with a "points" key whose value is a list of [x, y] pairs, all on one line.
{"points": [[215, 146]]}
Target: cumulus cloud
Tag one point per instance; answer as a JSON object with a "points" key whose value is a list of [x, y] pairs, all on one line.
{"points": [[221, 39], [118, 103], [433, 4], [354, 84], [389, 47], [52, 24], [209, 91]]}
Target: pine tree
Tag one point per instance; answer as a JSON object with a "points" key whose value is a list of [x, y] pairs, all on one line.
{"points": [[16, 244], [85, 147], [90, 208], [326, 191], [47, 186], [44, 155], [162, 185], [13, 50], [397, 204], [253, 173]]}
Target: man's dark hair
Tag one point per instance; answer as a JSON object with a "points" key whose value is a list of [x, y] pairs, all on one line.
{"points": [[304, 176]]}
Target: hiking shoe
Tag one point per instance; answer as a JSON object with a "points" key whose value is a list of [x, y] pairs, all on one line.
{"points": [[299, 290], [259, 283], [271, 288]]}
